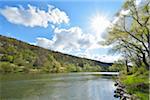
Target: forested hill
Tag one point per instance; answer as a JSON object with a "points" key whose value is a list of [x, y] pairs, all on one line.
{"points": [[18, 56]]}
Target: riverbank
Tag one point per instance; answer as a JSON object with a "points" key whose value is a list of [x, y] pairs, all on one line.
{"points": [[121, 92], [134, 85]]}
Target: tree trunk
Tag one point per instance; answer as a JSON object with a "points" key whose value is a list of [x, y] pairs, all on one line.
{"points": [[145, 62], [127, 67]]}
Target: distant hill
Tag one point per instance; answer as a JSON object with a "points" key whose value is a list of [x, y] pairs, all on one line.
{"points": [[18, 56]]}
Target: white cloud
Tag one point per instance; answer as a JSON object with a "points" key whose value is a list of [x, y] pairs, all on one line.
{"points": [[138, 2], [65, 40], [124, 12], [33, 16], [43, 42], [118, 18], [72, 41], [77, 39], [108, 58], [100, 57]]}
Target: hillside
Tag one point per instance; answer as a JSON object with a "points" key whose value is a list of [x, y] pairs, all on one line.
{"points": [[18, 56]]}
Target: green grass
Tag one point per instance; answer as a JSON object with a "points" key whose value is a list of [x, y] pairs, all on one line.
{"points": [[133, 79], [142, 96], [137, 84]]}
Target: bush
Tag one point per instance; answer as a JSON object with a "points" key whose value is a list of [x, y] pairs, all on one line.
{"points": [[134, 69], [7, 58], [141, 71], [71, 68], [116, 67], [79, 69], [6, 67]]}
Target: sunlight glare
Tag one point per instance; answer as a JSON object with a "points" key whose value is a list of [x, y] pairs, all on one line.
{"points": [[99, 23]]}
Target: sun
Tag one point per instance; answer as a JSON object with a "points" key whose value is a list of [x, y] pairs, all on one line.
{"points": [[99, 23]]}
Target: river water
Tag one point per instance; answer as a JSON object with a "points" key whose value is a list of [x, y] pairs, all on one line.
{"points": [[64, 86]]}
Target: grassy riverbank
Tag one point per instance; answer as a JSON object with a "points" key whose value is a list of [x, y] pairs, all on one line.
{"points": [[137, 83]]}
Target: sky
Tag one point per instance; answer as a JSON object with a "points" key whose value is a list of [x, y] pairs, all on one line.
{"points": [[75, 27]]}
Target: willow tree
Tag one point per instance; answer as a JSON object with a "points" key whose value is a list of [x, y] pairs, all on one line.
{"points": [[129, 33]]}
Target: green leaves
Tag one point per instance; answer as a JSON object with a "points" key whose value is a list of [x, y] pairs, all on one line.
{"points": [[18, 56], [131, 34]]}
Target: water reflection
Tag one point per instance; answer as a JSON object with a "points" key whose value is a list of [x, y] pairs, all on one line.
{"points": [[72, 86]]}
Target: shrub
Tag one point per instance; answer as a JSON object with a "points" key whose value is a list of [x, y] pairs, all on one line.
{"points": [[6, 57], [71, 68], [6, 67]]}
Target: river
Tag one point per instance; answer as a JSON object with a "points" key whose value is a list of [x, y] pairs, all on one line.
{"points": [[63, 86]]}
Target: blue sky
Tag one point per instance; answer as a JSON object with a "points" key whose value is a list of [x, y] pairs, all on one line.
{"points": [[70, 26]]}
